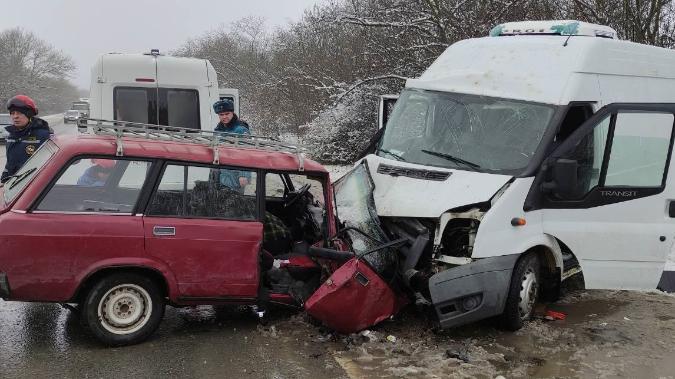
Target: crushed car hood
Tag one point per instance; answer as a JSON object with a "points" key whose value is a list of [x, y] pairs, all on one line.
{"points": [[410, 190]]}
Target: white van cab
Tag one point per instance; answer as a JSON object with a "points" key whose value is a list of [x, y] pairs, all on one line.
{"points": [[538, 153], [156, 89]]}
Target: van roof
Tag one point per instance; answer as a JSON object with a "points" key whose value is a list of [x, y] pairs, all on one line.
{"points": [[540, 68], [165, 69], [183, 151]]}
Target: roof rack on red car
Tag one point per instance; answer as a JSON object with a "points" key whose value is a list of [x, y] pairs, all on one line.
{"points": [[120, 129]]}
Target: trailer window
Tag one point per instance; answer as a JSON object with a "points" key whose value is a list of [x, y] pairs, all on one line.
{"points": [[179, 107], [135, 104]]}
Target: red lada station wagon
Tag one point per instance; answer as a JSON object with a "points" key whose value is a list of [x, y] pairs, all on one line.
{"points": [[123, 225]]}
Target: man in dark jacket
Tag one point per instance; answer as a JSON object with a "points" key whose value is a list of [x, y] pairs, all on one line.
{"points": [[231, 124], [26, 133]]}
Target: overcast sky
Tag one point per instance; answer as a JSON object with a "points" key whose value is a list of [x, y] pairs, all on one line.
{"points": [[85, 29]]}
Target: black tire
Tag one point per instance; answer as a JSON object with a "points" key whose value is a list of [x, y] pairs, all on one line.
{"points": [[523, 293], [123, 309]]}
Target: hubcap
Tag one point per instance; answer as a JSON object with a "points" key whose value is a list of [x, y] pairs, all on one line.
{"points": [[528, 293], [124, 309]]}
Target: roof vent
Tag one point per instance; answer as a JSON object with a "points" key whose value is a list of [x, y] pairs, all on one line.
{"points": [[554, 27]]}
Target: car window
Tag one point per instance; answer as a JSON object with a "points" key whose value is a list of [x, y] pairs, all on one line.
{"points": [[20, 180], [94, 185], [275, 187], [198, 191]]}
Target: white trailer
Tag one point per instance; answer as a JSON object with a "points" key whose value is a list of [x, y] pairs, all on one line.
{"points": [[156, 89]]}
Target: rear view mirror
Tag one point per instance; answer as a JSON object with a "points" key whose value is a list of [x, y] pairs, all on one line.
{"points": [[563, 183]]}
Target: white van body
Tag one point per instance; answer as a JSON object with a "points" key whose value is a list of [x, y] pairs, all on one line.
{"points": [[474, 146], [155, 89]]}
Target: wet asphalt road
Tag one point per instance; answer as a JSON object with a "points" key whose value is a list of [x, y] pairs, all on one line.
{"points": [[45, 340]]}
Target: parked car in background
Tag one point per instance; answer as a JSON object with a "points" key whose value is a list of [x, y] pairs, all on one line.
{"points": [[71, 116], [82, 106], [5, 121]]}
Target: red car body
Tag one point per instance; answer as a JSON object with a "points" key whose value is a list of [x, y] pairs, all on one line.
{"points": [[124, 237], [48, 256]]}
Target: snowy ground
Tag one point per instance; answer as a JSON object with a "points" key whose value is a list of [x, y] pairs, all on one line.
{"points": [[606, 334]]}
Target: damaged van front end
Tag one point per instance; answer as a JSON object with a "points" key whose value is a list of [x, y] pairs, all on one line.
{"points": [[433, 264]]}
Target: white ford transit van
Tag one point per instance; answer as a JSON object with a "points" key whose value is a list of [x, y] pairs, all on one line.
{"points": [[156, 89], [536, 154]]}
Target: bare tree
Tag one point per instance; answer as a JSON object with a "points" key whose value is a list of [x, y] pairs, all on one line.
{"points": [[320, 78], [30, 66]]}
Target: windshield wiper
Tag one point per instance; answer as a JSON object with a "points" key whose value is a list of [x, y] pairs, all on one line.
{"points": [[398, 157], [20, 177], [449, 157]]}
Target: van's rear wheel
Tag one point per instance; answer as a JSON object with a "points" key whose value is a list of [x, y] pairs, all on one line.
{"points": [[523, 293], [123, 309]]}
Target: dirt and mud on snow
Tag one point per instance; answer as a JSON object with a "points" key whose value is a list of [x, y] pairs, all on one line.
{"points": [[604, 334]]}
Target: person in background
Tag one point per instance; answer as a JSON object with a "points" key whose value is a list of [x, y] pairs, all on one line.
{"points": [[97, 175], [231, 124], [26, 134]]}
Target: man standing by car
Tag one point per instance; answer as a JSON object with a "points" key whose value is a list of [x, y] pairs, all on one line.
{"points": [[231, 124], [26, 133]]}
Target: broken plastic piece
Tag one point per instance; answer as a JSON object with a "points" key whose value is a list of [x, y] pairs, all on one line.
{"points": [[553, 315]]}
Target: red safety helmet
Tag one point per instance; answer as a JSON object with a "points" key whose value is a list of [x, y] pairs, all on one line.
{"points": [[104, 163], [23, 104]]}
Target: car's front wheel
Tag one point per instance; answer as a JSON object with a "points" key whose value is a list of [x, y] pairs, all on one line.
{"points": [[123, 309]]}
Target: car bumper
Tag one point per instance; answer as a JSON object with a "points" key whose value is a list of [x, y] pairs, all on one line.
{"points": [[472, 292], [4, 286]]}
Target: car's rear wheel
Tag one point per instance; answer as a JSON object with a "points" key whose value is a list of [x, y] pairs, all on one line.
{"points": [[523, 293], [123, 309]]}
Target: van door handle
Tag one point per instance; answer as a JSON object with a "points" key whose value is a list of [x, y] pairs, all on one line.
{"points": [[164, 231], [671, 208]]}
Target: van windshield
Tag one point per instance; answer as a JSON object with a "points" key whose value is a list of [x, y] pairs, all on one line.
{"points": [[466, 132]]}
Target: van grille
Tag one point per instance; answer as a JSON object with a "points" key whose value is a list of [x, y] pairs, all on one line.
{"points": [[412, 172]]}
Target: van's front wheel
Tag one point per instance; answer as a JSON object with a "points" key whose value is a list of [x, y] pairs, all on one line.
{"points": [[523, 293], [123, 309]]}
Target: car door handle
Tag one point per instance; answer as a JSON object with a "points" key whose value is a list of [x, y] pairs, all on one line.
{"points": [[164, 231]]}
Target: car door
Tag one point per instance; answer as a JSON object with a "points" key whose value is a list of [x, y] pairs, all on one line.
{"points": [[208, 234], [83, 220], [607, 193]]}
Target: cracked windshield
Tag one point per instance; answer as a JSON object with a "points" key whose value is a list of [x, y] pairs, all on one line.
{"points": [[464, 132]]}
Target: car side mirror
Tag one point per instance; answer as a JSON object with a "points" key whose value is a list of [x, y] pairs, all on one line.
{"points": [[563, 174]]}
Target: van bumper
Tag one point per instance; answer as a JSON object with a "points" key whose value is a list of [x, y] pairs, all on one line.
{"points": [[4, 286], [472, 292]]}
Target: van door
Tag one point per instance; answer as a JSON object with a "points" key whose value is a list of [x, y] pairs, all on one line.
{"points": [[184, 93], [607, 193], [128, 88]]}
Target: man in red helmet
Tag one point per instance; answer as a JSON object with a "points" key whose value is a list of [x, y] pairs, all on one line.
{"points": [[26, 133]]}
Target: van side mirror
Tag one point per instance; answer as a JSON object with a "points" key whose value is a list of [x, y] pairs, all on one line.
{"points": [[386, 106], [564, 178]]}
